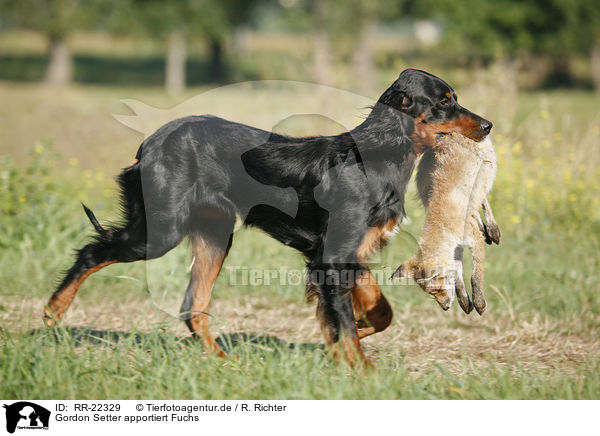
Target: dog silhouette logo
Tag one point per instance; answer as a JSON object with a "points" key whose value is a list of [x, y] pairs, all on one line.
{"points": [[26, 415]]}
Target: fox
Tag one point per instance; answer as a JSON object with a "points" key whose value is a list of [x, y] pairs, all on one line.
{"points": [[454, 179]]}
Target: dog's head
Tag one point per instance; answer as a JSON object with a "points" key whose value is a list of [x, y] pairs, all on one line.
{"points": [[434, 107]]}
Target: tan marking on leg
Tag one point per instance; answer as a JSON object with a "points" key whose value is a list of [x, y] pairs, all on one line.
{"points": [[205, 269], [371, 309], [325, 328], [61, 300], [375, 238], [348, 350]]}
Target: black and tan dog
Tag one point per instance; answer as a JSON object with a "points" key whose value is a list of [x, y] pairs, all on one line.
{"points": [[192, 176]]}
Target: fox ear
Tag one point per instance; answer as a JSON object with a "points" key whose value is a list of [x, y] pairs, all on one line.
{"points": [[403, 272]]}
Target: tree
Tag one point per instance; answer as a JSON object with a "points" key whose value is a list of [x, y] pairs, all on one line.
{"points": [[581, 33], [240, 14], [175, 23], [342, 30], [56, 19], [504, 29], [366, 15], [482, 29]]}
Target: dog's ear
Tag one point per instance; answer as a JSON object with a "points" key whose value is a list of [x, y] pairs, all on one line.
{"points": [[396, 98]]}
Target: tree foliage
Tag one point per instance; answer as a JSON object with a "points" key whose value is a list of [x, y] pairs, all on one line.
{"points": [[54, 18], [505, 28], [157, 19]]}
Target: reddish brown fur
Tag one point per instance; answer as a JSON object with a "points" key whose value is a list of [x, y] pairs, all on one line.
{"points": [[61, 300], [371, 310], [425, 134], [375, 238], [205, 269], [348, 350]]}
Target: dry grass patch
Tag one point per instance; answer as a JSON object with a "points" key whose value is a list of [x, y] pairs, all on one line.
{"points": [[422, 336]]}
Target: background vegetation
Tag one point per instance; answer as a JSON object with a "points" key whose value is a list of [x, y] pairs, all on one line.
{"points": [[146, 42], [531, 67]]}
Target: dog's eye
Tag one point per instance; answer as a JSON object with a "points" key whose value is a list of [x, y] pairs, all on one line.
{"points": [[444, 102]]}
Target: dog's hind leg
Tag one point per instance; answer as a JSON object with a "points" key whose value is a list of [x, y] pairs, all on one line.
{"points": [[65, 293], [125, 243], [210, 244], [113, 246]]}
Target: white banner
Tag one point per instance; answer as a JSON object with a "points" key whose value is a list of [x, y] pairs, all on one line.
{"points": [[312, 417]]}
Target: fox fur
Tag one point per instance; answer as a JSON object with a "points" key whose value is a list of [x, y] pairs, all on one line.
{"points": [[454, 180]]}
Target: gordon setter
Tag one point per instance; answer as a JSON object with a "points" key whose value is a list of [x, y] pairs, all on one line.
{"points": [[194, 175]]}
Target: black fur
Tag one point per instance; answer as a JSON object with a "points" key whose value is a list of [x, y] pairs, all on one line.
{"points": [[195, 174]]}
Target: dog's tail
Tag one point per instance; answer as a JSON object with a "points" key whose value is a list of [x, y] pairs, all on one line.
{"points": [[101, 230]]}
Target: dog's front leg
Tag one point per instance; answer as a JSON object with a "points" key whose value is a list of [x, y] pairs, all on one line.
{"points": [[335, 312]]}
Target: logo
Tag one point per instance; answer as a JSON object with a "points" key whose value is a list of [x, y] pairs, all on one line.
{"points": [[26, 415]]}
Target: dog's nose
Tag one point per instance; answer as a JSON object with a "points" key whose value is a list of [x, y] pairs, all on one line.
{"points": [[486, 126]]}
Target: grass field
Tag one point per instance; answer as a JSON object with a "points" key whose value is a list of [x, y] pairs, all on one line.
{"points": [[121, 339]]}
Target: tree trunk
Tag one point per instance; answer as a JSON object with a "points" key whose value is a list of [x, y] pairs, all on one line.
{"points": [[321, 46], [175, 67], [60, 68], [595, 66], [363, 61], [241, 40], [363, 58], [560, 76], [217, 69], [322, 58]]}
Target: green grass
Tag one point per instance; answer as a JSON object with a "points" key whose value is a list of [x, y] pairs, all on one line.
{"points": [[162, 366], [539, 338]]}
